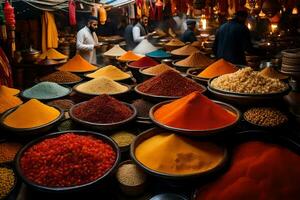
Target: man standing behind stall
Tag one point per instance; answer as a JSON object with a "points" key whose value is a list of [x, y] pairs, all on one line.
{"points": [[140, 31], [87, 41], [233, 39], [189, 34]]}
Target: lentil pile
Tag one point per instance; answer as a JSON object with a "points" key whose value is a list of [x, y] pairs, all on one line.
{"points": [[123, 138], [178, 155], [101, 85], [185, 50], [143, 107], [8, 151], [158, 54], [158, 69], [111, 72], [268, 117], [7, 181], [169, 83], [67, 160], [63, 104], [197, 59], [46, 90], [144, 62], [130, 175], [272, 73], [61, 77], [102, 109], [248, 81]]}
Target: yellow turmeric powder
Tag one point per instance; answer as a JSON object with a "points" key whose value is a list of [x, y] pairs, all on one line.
{"points": [[31, 114], [218, 68], [8, 101], [77, 64], [52, 54], [128, 56], [9, 91], [111, 72], [172, 154]]}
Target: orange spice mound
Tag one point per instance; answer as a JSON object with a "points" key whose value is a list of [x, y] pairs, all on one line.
{"points": [[129, 56], [185, 51], [52, 54], [194, 112], [175, 42], [258, 171], [197, 59], [218, 68], [77, 64]]}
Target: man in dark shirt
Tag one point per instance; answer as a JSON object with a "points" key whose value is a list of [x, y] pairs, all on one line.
{"points": [[233, 39], [189, 34]]}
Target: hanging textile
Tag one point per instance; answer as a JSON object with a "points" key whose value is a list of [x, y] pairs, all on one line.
{"points": [[9, 14], [131, 11], [152, 10], [72, 12], [3, 34], [159, 10], [102, 15], [146, 7], [223, 6], [5, 70], [139, 5], [167, 8], [49, 32]]}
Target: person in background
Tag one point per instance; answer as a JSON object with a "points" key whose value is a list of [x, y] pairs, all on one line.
{"points": [[128, 36], [87, 41], [141, 30], [189, 34], [233, 39]]}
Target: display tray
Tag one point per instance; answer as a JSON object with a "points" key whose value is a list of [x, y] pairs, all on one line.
{"points": [[197, 133], [98, 181], [170, 177]]}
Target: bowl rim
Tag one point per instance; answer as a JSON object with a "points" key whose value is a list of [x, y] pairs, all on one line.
{"points": [[152, 131], [189, 73], [129, 87], [47, 99], [198, 133], [213, 90], [161, 57], [102, 124], [164, 97], [8, 112], [107, 139]]}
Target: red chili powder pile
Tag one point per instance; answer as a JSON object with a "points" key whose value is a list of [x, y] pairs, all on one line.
{"points": [[169, 83], [67, 160], [144, 62], [195, 112], [258, 171], [102, 109]]}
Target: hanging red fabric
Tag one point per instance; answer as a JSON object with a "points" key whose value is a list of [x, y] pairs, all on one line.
{"points": [[9, 14], [151, 10], [159, 10], [72, 12], [223, 5], [5, 70]]}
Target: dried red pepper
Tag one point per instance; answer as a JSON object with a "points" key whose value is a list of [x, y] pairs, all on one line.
{"points": [[67, 160]]}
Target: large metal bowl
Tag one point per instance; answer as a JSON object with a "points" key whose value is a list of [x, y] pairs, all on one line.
{"points": [[197, 133], [101, 180]]}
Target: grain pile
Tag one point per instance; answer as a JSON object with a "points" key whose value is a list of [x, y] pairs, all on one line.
{"points": [[185, 51], [197, 59], [158, 69], [248, 81]]}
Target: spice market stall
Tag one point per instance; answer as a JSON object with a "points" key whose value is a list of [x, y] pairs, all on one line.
{"points": [[163, 120]]}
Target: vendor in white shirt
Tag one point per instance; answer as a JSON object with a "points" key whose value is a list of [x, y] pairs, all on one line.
{"points": [[140, 30], [87, 41]]}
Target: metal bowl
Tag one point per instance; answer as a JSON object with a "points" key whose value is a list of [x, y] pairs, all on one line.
{"points": [[177, 178], [101, 180], [104, 126], [159, 98], [27, 132], [198, 133], [184, 68], [193, 72], [246, 99]]}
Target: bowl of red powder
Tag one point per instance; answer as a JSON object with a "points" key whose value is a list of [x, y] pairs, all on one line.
{"points": [[67, 161], [103, 113]]}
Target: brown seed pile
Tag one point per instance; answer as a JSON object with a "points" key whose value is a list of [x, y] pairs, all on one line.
{"points": [[268, 117], [131, 175], [8, 151], [197, 59], [7, 181], [64, 104], [61, 77], [185, 50]]}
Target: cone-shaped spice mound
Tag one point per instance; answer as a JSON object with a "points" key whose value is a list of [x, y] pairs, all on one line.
{"points": [[169, 83], [158, 69], [173, 154], [175, 42], [185, 51], [9, 91], [61, 77], [77, 64], [102, 109], [144, 62], [272, 73], [218, 68], [115, 51], [197, 59], [111, 72], [52, 54], [129, 56], [194, 112]]}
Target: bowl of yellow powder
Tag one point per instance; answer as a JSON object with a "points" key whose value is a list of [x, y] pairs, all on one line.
{"points": [[172, 157], [31, 118]]}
